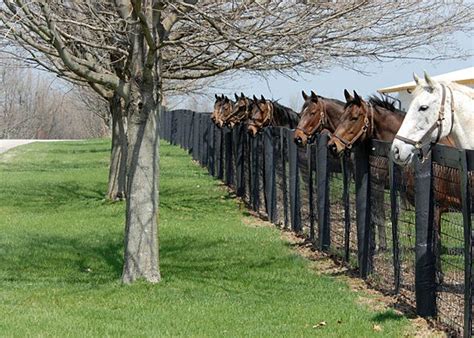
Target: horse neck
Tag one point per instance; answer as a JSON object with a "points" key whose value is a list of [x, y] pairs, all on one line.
{"points": [[461, 134], [283, 117], [386, 124], [334, 112]]}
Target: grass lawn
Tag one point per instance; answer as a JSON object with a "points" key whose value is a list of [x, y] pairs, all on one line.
{"points": [[61, 259]]}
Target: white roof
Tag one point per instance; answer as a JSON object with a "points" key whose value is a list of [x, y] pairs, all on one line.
{"points": [[463, 76]]}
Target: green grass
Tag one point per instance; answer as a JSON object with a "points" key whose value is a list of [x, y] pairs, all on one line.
{"points": [[61, 258]]}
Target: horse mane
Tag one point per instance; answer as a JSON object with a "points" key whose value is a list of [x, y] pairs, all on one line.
{"points": [[281, 110], [385, 102]]}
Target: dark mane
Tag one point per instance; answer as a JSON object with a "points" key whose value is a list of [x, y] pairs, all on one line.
{"points": [[285, 116], [280, 107], [386, 103]]}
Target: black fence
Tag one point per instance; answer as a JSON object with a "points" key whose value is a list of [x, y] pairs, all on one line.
{"points": [[408, 231]]}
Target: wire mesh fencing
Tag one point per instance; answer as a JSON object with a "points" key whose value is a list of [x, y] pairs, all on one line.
{"points": [[407, 230]]}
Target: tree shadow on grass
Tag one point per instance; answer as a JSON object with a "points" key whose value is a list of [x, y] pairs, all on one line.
{"points": [[55, 258], [44, 193]]}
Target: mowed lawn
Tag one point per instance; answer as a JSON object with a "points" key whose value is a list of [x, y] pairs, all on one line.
{"points": [[61, 249]]}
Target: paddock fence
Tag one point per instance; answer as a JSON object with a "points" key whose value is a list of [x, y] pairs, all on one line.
{"points": [[407, 231]]}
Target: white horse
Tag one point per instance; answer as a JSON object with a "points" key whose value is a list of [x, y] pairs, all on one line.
{"points": [[438, 109]]}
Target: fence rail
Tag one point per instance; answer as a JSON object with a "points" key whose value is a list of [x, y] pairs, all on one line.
{"points": [[408, 231]]}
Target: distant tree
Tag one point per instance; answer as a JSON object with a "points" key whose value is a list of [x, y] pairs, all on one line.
{"points": [[136, 48]]}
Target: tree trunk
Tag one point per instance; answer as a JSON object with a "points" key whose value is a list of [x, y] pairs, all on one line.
{"points": [[141, 232], [118, 155]]}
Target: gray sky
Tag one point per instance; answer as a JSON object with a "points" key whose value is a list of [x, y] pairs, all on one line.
{"points": [[333, 82]]}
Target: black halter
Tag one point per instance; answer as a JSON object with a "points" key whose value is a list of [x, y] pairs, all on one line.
{"points": [[420, 145], [367, 123]]}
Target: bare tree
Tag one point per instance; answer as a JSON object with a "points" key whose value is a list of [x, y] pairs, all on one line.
{"points": [[35, 106], [136, 48]]}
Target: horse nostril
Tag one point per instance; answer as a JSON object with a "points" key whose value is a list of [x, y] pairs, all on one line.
{"points": [[298, 140]]}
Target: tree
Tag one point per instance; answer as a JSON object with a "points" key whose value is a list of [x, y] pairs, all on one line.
{"points": [[136, 49]]}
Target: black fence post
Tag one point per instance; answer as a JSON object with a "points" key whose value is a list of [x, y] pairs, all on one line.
{"points": [[346, 201], [311, 153], [468, 241], [364, 231], [294, 181], [239, 142], [212, 149], [255, 182], [322, 177], [220, 152], [284, 174], [394, 219], [269, 174], [228, 156], [425, 269], [205, 138]]}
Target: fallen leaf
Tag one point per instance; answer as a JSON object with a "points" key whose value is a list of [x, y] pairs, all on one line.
{"points": [[377, 328], [320, 324]]}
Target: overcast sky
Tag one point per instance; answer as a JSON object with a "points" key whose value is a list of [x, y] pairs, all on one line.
{"points": [[332, 83]]}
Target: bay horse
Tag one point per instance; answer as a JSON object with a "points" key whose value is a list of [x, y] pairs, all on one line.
{"points": [[241, 111], [317, 114], [265, 113], [378, 119], [438, 109], [222, 108], [217, 107]]}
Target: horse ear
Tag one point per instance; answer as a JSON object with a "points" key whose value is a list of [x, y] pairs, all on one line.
{"points": [[242, 95], [236, 96], [357, 98], [305, 96], [262, 98], [417, 79], [314, 97], [217, 97], [255, 98], [431, 83], [226, 100], [348, 96]]}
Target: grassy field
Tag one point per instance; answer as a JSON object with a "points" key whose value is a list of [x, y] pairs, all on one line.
{"points": [[61, 258]]}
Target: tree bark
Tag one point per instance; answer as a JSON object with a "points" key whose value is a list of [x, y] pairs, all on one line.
{"points": [[118, 155], [141, 231]]}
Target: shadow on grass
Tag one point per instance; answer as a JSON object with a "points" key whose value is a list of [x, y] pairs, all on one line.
{"points": [[40, 194], [388, 315], [43, 258]]}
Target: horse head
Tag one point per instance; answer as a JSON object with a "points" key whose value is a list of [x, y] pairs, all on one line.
{"points": [[354, 124], [217, 107], [225, 110], [240, 111], [312, 119], [429, 118], [261, 115]]}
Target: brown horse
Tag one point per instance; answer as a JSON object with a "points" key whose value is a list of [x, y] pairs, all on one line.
{"points": [[267, 113], [217, 107], [361, 120], [222, 108], [318, 114], [241, 111], [378, 119]]}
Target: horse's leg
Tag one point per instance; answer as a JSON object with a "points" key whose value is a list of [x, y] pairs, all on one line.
{"points": [[437, 244]]}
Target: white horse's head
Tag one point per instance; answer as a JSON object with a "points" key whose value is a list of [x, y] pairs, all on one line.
{"points": [[420, 124]]}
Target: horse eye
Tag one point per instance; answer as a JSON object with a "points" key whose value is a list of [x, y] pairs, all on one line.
{"points": [[423, 108], [353, 118]]}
